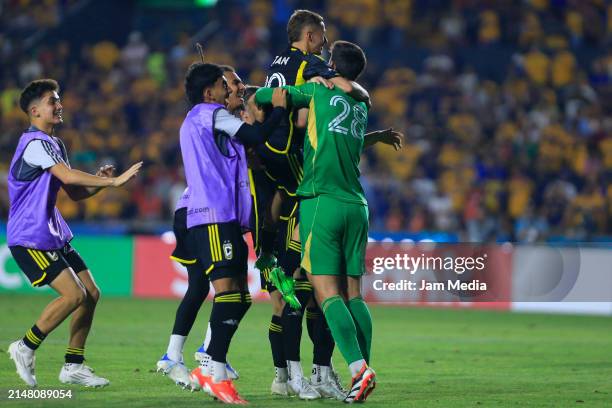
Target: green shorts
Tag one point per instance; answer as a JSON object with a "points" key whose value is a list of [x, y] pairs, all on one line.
{"points": [[334, 236]]}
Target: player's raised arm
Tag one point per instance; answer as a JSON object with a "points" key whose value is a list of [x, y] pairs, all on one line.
{"points": [[297, 96], [73, 177], [257, 133], [386, 136]]}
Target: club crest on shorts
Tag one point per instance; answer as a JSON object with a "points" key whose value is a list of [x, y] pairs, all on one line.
{"points": [[228, 250], [52, 255]]}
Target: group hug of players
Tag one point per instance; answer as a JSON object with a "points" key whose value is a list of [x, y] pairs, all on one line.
{"points": [[280, 161]]}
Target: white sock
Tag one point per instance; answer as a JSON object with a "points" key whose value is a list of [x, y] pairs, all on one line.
{"points": [[355, 367], [295, 369], [319, 373], [207, 337], [281, 374], [219, 372], [175, 347]]}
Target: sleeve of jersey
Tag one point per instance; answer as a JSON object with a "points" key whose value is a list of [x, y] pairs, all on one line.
{"points": [[226, 122], [40, 153], [316, 66], [299, 97], [258, 133]]}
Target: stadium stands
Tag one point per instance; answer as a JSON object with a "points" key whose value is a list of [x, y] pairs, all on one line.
{"points": [[506, 107]]}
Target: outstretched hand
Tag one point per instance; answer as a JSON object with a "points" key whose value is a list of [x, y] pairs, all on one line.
{"points": [[127, 175], [391, 137], [106, 171]]}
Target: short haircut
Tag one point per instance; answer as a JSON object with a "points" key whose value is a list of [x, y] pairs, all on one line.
{"points": [[35, 90], [227, 68], [200, 76], [250, 91], [300, 19], [349, 59]]}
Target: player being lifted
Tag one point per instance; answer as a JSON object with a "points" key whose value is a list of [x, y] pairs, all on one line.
{"points": [[39, 238], [282, 158], [171, 364], [219, 209], [334, 212]]}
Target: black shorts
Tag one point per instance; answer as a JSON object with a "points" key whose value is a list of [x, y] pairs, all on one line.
{"points": [[182, 252], [289, 219], [42, 267], [220, 249]]}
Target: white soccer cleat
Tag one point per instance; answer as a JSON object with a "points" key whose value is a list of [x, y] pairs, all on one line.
{"points": [[24, 360], [279, 387], [202, 357], [81, 374], [327, 382], [301, 387], [177, 372]]}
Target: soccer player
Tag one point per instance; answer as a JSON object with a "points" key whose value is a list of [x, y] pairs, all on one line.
{"points": [[235, 105], [282, 158], [263, 192], [198, 285], [39, 238], [334, 212], [219, 209]]}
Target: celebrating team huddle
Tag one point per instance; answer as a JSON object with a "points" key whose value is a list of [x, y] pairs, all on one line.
{"points": [[280, 161]]}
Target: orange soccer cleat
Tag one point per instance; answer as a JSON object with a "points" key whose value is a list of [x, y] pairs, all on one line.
{"points": [[361, 385], [224, 390]]}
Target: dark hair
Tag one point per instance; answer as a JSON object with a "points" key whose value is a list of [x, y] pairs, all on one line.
{"points": [[36, 89], [227, 68], [300, 19], [349, 59], [250, 91], [200, 76]]}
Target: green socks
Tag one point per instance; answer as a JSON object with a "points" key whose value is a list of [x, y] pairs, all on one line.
{"points": [[363, 323], [343, 329]]}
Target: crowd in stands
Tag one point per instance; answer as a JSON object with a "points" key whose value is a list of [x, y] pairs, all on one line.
{"points": [[523, 157]]}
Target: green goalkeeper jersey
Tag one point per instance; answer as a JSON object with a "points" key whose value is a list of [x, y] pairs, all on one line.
{"points": [[333, 142]]}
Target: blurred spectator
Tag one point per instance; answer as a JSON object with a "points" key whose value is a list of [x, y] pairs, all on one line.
{"points": [[519, 150]]}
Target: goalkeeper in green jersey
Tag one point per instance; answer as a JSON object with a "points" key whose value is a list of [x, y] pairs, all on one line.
{"points": [[334, 211]]}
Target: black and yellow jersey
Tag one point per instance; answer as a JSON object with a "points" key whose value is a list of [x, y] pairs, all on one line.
{"points": [[293, 67]]}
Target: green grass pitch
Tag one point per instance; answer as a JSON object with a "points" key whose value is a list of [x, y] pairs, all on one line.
{"points": [[423, 357]]}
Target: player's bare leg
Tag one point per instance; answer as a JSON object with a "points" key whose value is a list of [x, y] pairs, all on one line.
{"points": [[75, 371], [72, 294], [82, 317]]}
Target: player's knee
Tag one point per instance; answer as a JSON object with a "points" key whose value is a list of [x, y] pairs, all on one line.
{"points": [[76, 297], [94, 295]]}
